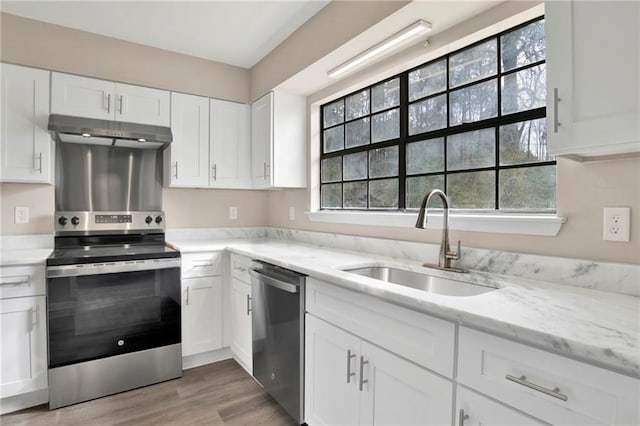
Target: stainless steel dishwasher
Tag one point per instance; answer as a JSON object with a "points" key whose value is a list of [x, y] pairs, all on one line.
{"points": [[277, 302]]}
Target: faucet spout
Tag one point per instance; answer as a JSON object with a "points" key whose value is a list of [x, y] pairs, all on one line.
{"points": [[446, 255]]}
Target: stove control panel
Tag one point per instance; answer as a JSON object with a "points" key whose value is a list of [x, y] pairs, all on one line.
{"points": [[88, 222]]}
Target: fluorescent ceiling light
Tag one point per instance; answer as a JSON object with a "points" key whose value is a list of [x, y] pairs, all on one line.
{"points": [[394, 42]]}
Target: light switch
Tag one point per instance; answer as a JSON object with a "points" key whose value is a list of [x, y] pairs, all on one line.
{"points": [[233, 213], [292, 213], [21, 215]]}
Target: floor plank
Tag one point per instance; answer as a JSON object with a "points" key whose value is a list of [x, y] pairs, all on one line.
{"points": [[215, 394]]}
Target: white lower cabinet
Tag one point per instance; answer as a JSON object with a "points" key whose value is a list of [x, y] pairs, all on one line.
{"points": [[349, 381], [473, 409], [201, 315], [23, 345], [241, 341]]}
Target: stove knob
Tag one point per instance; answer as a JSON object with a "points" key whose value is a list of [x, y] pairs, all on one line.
{"points": [[158, 219], [148, 219], [62, 221], [75, 220]]}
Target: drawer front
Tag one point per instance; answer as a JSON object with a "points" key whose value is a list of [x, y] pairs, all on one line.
{"points": [[201, 264], [19, 281], [423, 339], [473, 409], [555, 389], [240, 267]]}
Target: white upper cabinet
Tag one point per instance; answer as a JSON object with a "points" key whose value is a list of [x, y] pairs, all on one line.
{"points": [[25, 142], [279, 141], [93, 98], [187, 159], [593, 74], [229, 145]]}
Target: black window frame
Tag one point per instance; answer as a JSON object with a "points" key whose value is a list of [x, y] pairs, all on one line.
{"points": [[404, 139]]}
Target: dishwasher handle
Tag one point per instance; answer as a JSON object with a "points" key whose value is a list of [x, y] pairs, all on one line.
{"points": [[274, 282]]}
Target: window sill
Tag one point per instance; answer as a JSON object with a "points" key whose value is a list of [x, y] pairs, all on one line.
{"points": [[502, 223]]}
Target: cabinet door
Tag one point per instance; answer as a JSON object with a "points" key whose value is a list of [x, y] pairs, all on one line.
{"points": [[398, 392], [595, 75], [241, 343], [473, 409], [201, 315], [25, 142], [82, 96], [331, 394], [23, 348], [229, 145], [136, 104], [261, 141], [188, 155]]}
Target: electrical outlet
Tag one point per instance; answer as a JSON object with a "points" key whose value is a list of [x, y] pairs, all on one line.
{"points": [[292, 213], [21, 215], [616, 226], [233, 213]]}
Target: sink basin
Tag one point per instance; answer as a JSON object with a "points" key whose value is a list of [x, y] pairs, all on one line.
{"points": [[421, 281]]}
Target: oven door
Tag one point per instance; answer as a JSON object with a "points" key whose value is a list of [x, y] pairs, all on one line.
{"points": [[100, 310]]}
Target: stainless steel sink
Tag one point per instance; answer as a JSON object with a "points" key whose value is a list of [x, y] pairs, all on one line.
{"points": [[421, 281]]}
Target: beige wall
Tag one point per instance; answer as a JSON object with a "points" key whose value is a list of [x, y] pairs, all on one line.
{"points": [[334, 25], [39, 199], [38, 44]]}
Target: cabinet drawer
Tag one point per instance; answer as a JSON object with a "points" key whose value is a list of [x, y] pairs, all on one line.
{"points": [[478, 410], [240, 267], [555, 389], [421, 338], [201, 264], [19, 281]]}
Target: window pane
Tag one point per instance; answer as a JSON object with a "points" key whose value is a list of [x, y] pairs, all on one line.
{"points": [[528, 188], [385, 95], [419, 186], [473, 64], [523, 90], [386, 125], [524, 142], [333, 113], [427, 115], [355, 166], [474, 103], [383, 162], [334, 139], [358, 105], [471, 150], [425, 156], [428, 80], [331, 169], [358, 132], [383, 193], [355, 195], [475, 190], [331, 195], [523, 46]]}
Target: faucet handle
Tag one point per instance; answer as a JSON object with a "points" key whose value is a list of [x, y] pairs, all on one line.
{"points": [[454, 255]]}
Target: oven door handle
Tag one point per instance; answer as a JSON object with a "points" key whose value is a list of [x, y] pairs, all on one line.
{"points": [[111, 267]]}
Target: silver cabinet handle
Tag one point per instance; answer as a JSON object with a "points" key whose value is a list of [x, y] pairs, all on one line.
{"points": [[203, 265], [522, 380], [248, 305], [349, 373], [18, 281], [240, 268], [362, 379], [267, 171], [38, 159], [264, 170], [121, 104], [34, 314], [556, 101], [462, 417], [109, 103], [176, 167], [215, 172], [187, 298]]}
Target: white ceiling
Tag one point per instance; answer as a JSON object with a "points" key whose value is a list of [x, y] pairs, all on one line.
{"points": [[233, 32]]}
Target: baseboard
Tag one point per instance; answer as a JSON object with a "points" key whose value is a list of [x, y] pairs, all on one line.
{"points": [[192, 361], [25, 400]]}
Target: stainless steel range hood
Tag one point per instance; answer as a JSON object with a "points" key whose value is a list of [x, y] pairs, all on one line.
{"points": [[66, 128]]}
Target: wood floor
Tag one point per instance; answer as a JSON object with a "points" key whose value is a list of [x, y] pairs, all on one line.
{"points": [[215, 394]]}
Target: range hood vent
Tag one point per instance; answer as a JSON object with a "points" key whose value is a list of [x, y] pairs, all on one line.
{"points": [[66, 128]]}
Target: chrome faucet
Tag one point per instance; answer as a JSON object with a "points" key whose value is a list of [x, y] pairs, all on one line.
{"points": [[446, 255]]}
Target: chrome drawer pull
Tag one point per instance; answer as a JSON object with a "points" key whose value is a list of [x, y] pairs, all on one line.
{"points": [[18, 281], [248, 305], [204, 265], [462, 417], [522, 380], [556, 101], [349, 373], [362, 379]]}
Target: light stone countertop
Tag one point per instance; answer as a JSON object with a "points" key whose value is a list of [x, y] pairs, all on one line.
{"points": [[590, 325], [35, 256]]}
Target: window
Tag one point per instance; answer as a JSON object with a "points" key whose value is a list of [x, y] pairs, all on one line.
{"points": [[471, 122]]}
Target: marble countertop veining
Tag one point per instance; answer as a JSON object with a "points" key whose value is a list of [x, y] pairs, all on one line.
{"points": [[591, 325]]}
